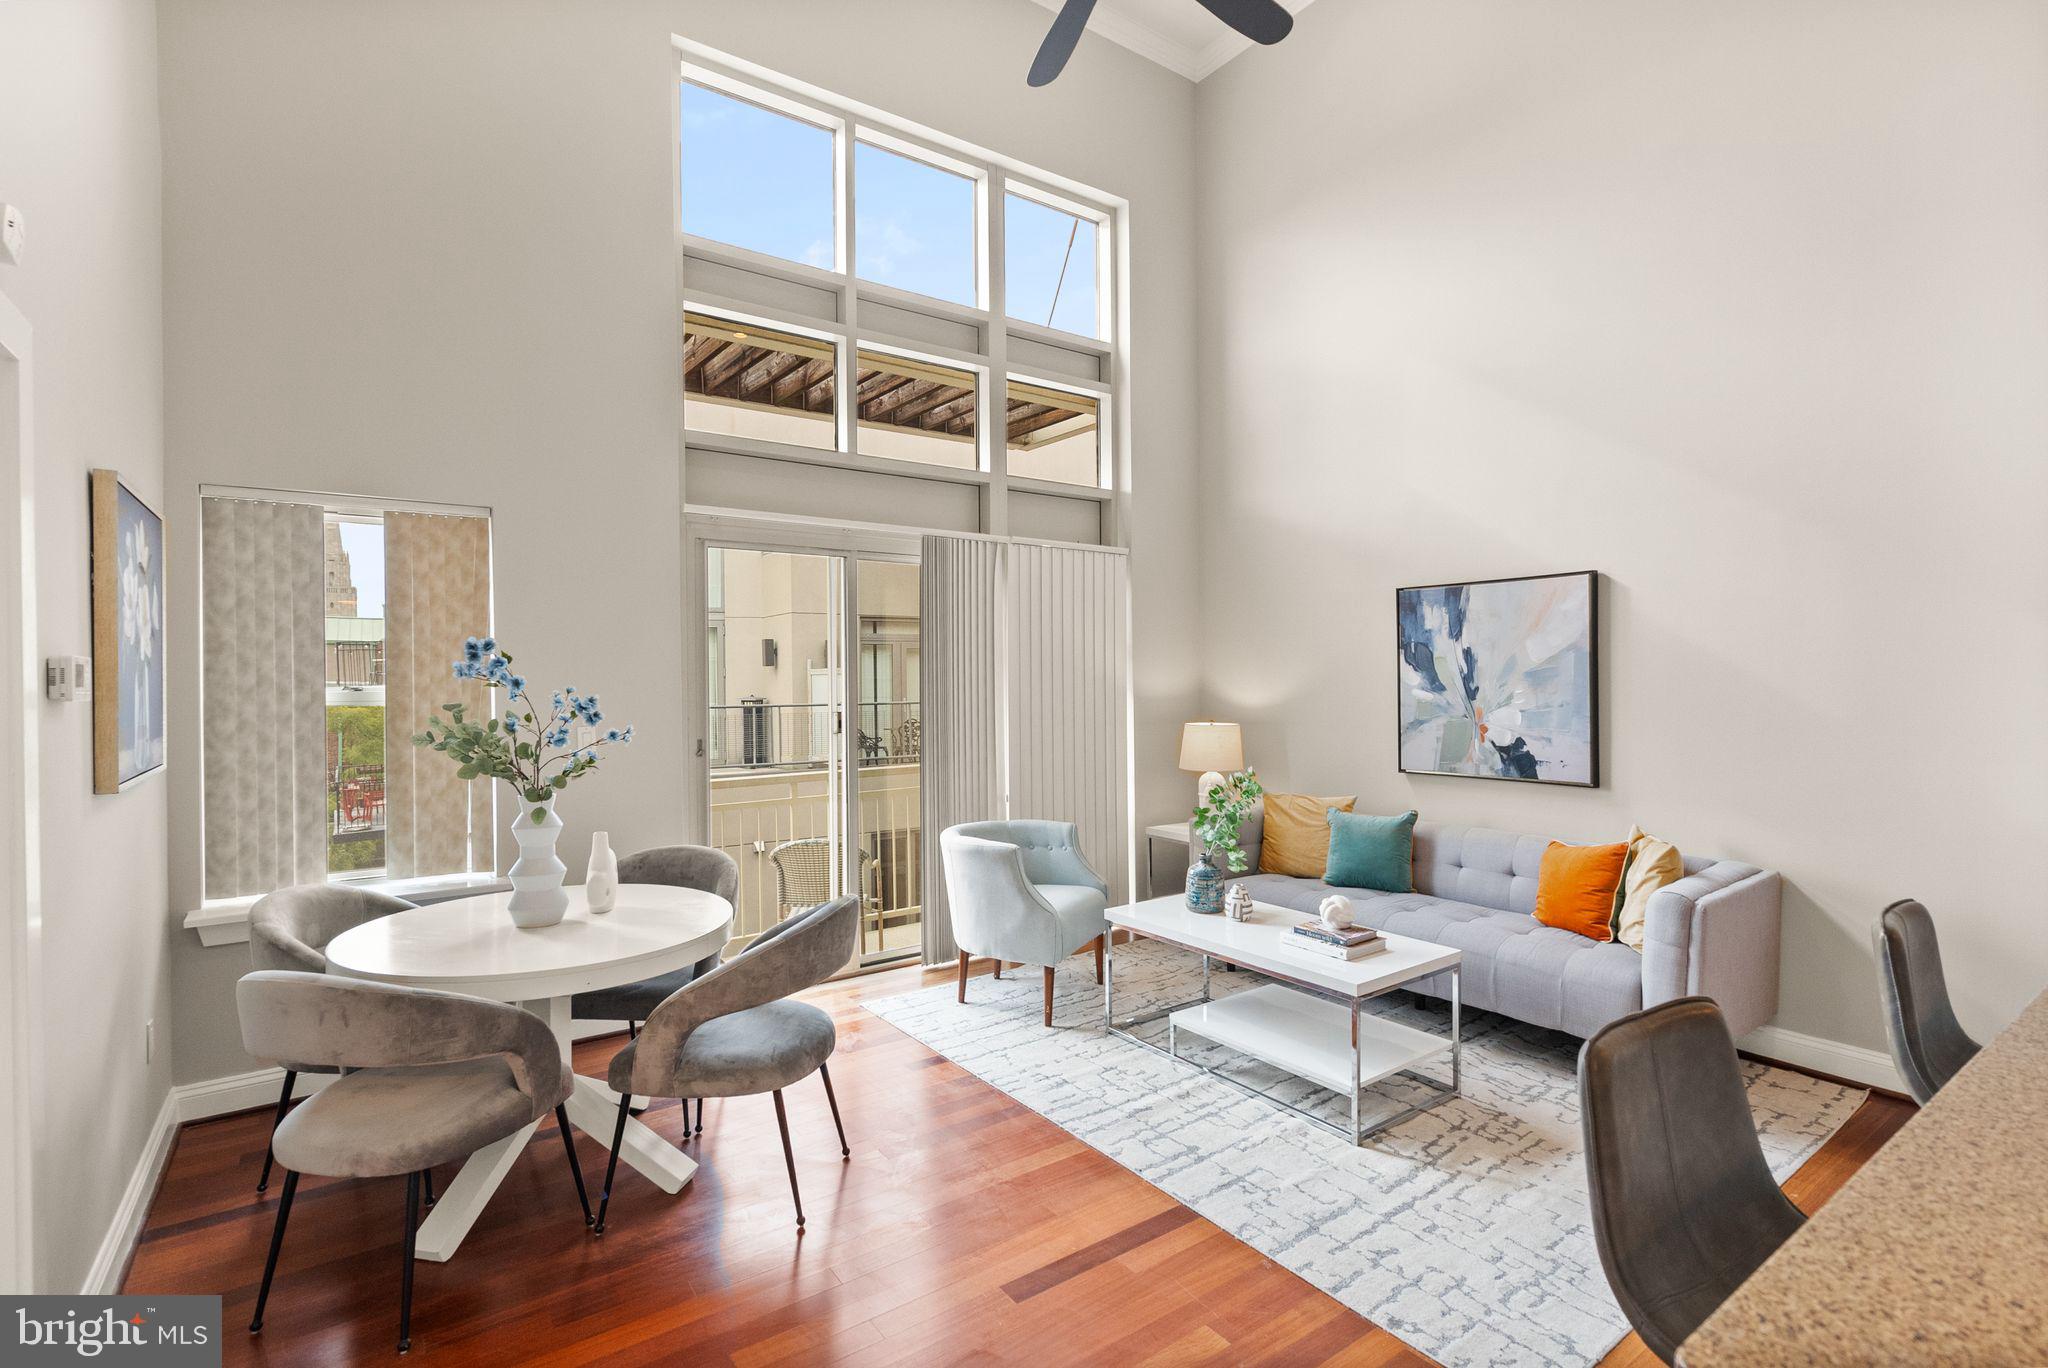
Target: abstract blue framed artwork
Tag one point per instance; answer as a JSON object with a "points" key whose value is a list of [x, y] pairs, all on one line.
{"points": [[127, 635], [1498, 679]]}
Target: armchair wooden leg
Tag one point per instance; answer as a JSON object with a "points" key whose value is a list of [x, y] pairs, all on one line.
{"points": [[963, 976], [1098, 957], [998, 970], [1048, 995]]}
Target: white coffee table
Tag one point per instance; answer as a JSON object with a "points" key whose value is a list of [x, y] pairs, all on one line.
{"points": [[1310, 1020], [469, 945]]}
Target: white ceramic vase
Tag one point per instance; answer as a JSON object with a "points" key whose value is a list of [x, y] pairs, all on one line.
{"points": [[601, 883], [538, 898]]}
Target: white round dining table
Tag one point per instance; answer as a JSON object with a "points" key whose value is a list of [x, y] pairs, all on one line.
{"points": [[469, 945]]}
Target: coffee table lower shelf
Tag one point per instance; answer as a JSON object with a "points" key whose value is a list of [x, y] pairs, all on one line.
{"points": [[1331, 1044]]}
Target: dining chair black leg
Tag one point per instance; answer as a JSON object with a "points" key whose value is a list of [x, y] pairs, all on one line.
{"points": [[575, 1168], [789, 1158], [611, 1166], [632, 1030], [412, 1231], [427, 1185], [284, 1098], [700, 1116], [826, 1074], [284, 1212]]}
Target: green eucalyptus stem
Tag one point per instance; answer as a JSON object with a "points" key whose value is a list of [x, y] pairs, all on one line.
{"points": [[1223, 810]]}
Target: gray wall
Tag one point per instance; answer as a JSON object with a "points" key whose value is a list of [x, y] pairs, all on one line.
{"points": [[1744, 305], [425, 251], [78, 157]]}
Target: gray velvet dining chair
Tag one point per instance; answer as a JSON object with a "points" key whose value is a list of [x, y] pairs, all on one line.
{"points": [[1022, 892], [1684, 1205], [676, 866], [733, 1034], [1928, 1043], [290, 929], [427, 1078]]}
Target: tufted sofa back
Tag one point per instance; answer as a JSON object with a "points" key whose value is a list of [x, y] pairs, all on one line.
{"points": [[1486, 868]]}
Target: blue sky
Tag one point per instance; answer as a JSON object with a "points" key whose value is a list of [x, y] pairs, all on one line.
{"points": [[364, 543], [764, 181]]}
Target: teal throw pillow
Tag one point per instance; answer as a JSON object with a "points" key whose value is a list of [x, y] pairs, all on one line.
{"points": [[1371, 852]]}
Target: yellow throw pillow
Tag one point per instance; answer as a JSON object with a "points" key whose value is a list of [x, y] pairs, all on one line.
{"points": [[1297, 836], [1651, 865]]}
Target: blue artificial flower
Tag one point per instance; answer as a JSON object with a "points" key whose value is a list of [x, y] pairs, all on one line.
{"points": [[626, 736], [488, 644], [461, 670], [613, 735], [558, 699], [472, 650], [516, 683]]}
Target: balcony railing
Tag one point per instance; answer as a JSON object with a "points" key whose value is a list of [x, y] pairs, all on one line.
{"points": [[751, 735], [754, 811]]}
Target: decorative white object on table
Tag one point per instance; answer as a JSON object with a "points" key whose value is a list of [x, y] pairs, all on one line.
{"points": [[1237, 903], [601, 882], [524, 749], [1335, 911], [468, 945]]}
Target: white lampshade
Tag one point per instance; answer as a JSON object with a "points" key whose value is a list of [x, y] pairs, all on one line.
{"points": [[1207, 746]]}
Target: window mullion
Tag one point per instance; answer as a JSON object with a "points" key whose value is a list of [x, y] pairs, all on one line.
{"points": [[995, 394], [847, 385]]}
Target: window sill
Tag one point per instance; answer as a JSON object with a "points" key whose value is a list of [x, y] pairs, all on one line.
{"points": [[225, 921]]}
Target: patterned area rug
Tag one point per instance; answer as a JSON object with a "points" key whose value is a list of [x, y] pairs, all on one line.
{"points": [[1463, 1231]]}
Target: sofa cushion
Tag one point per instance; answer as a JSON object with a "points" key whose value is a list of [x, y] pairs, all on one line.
{"points": [[1512, 963], [1496, 869], [1372, 852], [1296, 838]]}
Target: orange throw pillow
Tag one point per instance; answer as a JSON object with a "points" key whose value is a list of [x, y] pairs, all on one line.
{"points": [[1296, 839], [1575, 887]]}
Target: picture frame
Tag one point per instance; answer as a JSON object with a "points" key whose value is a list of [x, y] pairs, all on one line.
{"points": [[1523, 701], [127, 582]]}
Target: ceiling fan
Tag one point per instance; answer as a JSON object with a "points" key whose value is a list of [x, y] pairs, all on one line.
{"points": [[1262, 21]]}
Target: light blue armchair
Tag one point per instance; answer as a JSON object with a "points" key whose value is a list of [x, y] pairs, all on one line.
{"points": [[1022, 892]]}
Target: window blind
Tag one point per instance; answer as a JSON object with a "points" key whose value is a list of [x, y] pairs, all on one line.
{"points": [[264, 750]]}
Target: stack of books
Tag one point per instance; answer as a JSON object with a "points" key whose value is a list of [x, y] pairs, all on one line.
{"points": [[1352, 943]]}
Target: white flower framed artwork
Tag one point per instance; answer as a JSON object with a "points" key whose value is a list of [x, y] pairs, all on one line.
{"points": [[127, 635], [1499, 679]]}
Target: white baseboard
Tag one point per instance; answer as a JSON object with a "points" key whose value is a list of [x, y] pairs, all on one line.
{"points": [[1872, 1068], [239, 1092], [103, 1279]]}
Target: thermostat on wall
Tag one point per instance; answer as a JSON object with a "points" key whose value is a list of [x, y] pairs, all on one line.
{"points": [[10, 234], [67, 679]]}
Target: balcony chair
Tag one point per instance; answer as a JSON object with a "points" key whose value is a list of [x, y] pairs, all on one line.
{"points": [[1022, 892], [1928, 1043], [732, 1033], [1684, 1205], [803, 879], [428, 1078], [289, 929]]}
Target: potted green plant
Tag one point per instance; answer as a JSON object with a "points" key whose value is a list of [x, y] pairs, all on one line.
{"points": [[1214, 827]]}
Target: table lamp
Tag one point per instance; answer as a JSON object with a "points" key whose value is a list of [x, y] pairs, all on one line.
{"points": [[1212, 749]]}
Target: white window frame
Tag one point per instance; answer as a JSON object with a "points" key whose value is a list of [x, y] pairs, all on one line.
{"points": [[225, 921], [777, 293]]}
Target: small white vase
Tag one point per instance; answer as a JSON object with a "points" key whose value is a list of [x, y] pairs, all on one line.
{"points": [[538, 898], [601, 883]]}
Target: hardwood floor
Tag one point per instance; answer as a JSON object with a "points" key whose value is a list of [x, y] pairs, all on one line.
{"points": [[965, 1229]]}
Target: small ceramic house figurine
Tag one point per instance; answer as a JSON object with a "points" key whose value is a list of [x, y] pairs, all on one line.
{"points": [[1237, 904]]}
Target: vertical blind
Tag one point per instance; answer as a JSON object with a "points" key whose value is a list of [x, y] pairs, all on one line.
{"points": [[264, 608], [437, 591], [1068, 685], [1026, 709], [960, 588]]}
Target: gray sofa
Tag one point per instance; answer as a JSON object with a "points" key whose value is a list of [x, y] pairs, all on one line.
{"points": [[1713, 933]]}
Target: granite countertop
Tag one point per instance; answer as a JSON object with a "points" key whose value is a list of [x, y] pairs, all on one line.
{"points": [[1936, 1251]]}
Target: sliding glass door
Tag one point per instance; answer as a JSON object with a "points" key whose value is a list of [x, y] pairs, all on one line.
{"points": [[811, 737]]}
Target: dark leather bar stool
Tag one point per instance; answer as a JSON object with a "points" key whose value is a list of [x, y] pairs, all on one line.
{"points": [[1684, 1205], [1928, 1043]]}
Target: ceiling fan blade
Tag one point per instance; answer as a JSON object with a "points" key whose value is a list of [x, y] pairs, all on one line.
{"points": [[1262, 21], [1059, 42]]}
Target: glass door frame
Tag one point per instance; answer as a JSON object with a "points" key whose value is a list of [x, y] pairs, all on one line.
{"points": [[703, 531]]}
